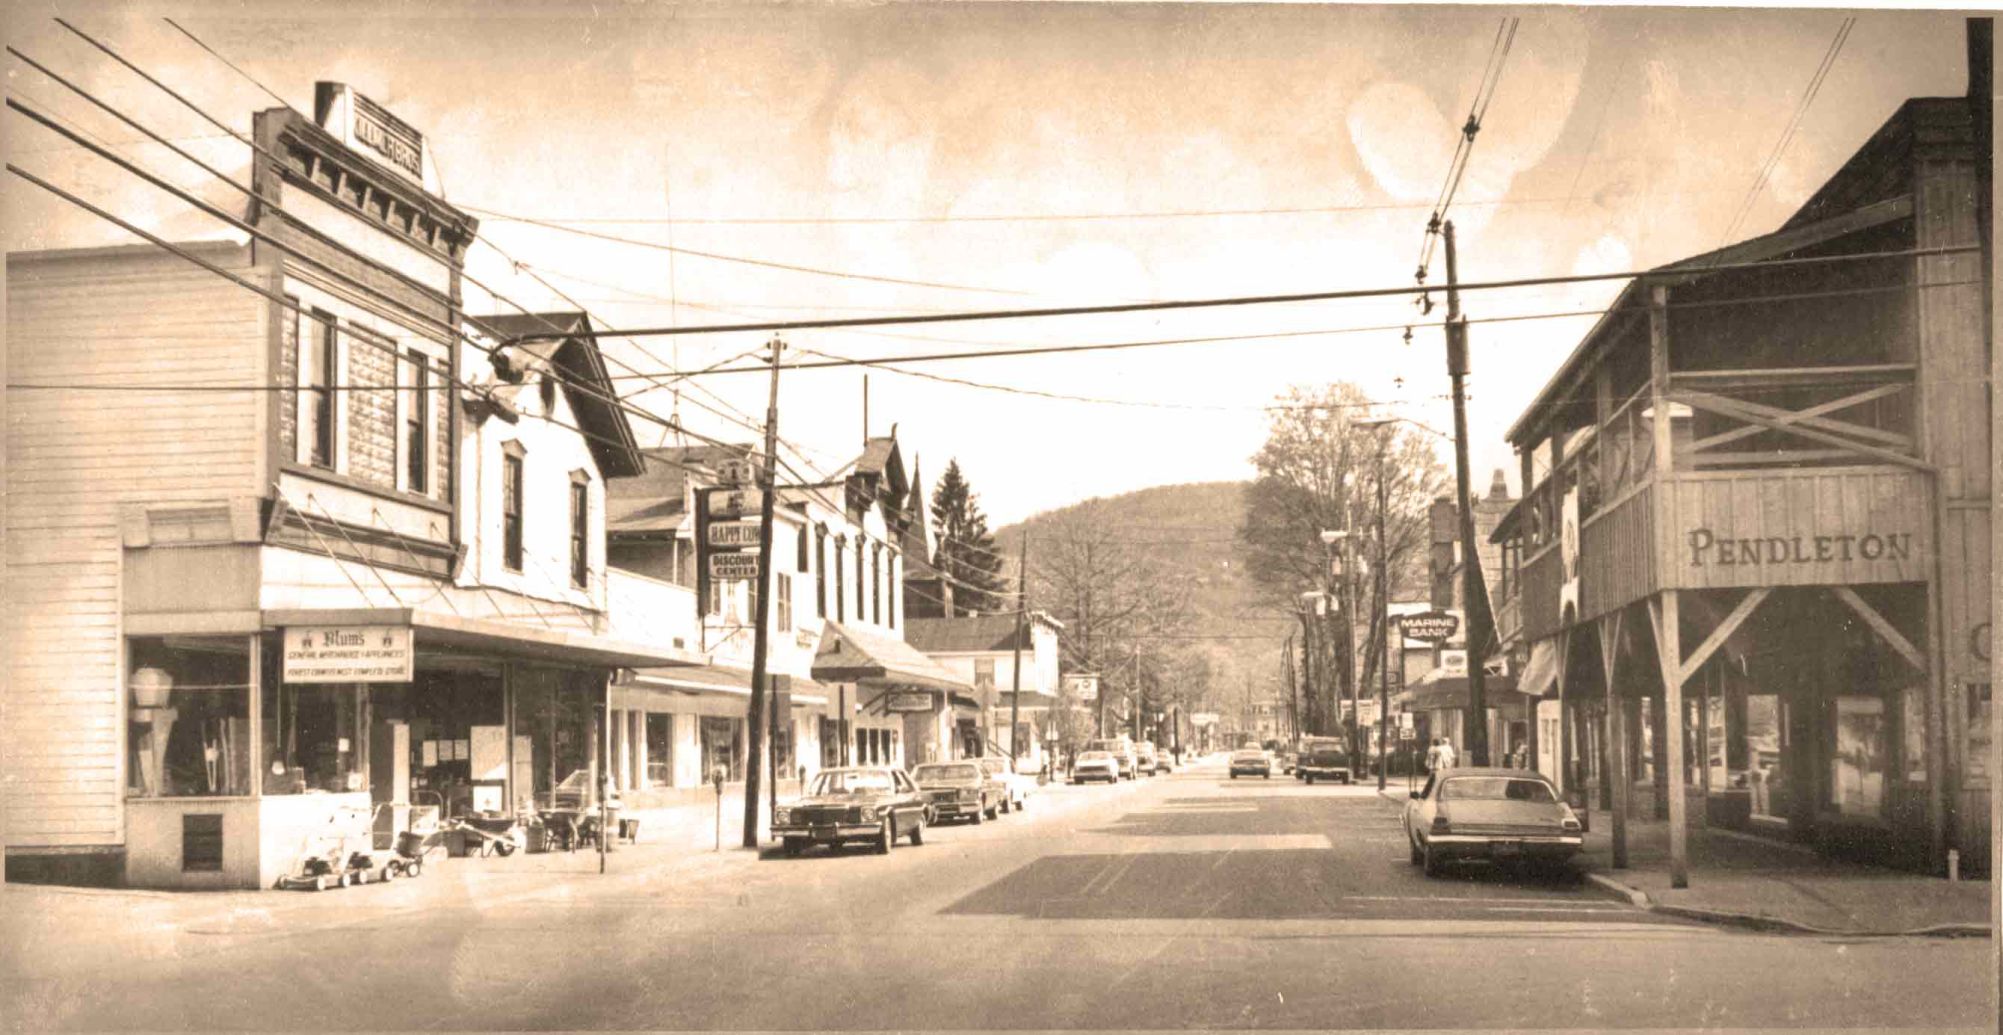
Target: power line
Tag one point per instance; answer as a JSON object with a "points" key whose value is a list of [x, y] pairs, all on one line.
{"points": [[233, 66], [1491, 77], [1793, 124]]}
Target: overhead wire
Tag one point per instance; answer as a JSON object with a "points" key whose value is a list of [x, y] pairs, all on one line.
{"points": [[1793, 125]]}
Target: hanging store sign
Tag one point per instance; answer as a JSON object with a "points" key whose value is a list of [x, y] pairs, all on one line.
{"points": [[733, 503], [1083, 686], [1430, 625], [908, 701], [733, 567], [733, 534], [349, 654]]}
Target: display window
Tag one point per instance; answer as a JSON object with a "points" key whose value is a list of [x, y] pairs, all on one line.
{"points": [[1860, 759], [1766, 750], [722, 739], [660, 750], [190, 716], [556, 712], [312, 737]]}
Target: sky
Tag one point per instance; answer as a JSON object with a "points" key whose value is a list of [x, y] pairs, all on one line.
{"points": [[1018, 156]]}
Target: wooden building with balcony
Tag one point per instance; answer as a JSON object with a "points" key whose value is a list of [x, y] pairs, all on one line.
{"points": [[1754, 546]]}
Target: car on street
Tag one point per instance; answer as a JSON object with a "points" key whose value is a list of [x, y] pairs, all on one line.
{"points": [[1009, 789], [955, 790], [1323, 758], [1144, 759], [1251, 762], [1122, 750], [1095, 765], [1500, 815], [872, 804]]}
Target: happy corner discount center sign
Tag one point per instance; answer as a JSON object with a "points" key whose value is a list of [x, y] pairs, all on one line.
{"points": [[349, 654]]}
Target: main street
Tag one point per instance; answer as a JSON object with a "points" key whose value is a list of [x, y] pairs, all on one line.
{"points": [[1188, 900]]}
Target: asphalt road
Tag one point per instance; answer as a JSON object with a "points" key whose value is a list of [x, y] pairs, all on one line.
{"points": [[1185, 901]]}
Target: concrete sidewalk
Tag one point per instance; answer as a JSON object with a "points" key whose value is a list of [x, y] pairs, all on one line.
{"points": [[1758, 882]]}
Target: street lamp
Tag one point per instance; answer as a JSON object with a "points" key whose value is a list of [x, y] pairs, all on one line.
{"points": [[1377, 424]]}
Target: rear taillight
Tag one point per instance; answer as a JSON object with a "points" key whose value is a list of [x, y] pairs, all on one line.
{"points": [[1441, 826], [1570, 822]]}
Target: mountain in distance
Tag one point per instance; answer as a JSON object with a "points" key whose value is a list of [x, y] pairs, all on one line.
{"points": [[1191, 530]]}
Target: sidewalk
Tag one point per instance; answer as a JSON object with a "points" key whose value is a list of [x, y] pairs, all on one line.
{"points": [[1757, 882]]}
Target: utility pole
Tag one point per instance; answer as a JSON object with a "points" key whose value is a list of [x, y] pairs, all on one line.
{"points": [[1021, 624], [1384, 617], [1477, 638], [760, 640]]}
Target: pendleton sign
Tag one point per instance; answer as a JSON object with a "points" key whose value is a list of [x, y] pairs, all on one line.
{"points": [[1797, 528]]}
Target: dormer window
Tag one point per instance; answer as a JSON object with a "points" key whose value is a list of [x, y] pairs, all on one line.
{"points": [[580, 529], [513, 496]]}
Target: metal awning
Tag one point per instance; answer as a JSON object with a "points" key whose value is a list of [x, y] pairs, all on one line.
{"points": [[851, 655], [1447, 692], [718, 679], [494, 636]]}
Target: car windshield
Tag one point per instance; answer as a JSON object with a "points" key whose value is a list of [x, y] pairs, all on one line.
{"points": [[957, 772], [1322, 745], [852, 781], [1496, 788]]}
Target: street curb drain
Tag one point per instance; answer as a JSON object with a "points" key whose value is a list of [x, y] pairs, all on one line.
{"points": [[1773, 924]]}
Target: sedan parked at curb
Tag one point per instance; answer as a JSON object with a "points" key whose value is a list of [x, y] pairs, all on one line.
{"points": [[1002, 779], [1251, 762], [955, 790], [1500, 815], [1095, 765], [872, 804]]}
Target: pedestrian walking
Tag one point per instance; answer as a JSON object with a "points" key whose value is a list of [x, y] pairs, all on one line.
{"points": [[1433, 756], [1447, 757]]}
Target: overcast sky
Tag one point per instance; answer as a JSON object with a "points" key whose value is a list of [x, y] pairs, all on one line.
{"points": [[884, 140]]}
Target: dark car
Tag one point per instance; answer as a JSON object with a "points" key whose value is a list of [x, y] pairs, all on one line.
{"points": [[955, 790], [1501, 815], [873, 804], [1323, 758], [1251, 762]]}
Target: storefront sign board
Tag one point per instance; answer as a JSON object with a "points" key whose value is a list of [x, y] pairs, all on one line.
{"points": [[908, 701], [349, 654], [1815, 527], [733, 534], [731, 567], [1430, 625]]}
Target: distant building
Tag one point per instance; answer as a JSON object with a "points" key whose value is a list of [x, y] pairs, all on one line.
{"points": [[981, 651]]}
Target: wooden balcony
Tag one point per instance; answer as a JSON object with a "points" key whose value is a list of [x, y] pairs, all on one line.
{"points": [[1776, 477]]}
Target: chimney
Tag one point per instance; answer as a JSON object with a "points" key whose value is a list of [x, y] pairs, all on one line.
{"points": [[1498, 487]]}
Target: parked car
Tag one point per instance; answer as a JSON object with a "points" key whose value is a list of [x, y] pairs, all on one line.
{"points": [[874, 804], [1011, 794], [1095, 765], [955, 790], [1144, 759], [1251, 762], [1287, 759], [1502, 815], [1324, 758], [1122, 750]]}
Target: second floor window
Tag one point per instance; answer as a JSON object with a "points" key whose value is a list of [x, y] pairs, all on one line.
{"points": [[821, 570], [841, 576], [784, 599], [580, 530], [417, 425], [858, 580], [876, 584], [319, 365], [511, 508]]}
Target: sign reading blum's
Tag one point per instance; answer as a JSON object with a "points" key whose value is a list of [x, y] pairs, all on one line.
{"points": [[349, 654]]}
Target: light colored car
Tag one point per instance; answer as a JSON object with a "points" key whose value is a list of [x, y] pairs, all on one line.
{"points": [[1251, 762], [1122, 750], [1501, 815], [1001, 774], [1095, 765], [955, 790]]}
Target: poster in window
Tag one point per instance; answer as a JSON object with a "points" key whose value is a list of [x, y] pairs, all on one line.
{"points": [[430, 753], [1857, 769]]}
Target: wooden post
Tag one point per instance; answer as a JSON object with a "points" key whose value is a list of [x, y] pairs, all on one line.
{"points": [[1564, 716], [1616, 772], [1669, 647]]}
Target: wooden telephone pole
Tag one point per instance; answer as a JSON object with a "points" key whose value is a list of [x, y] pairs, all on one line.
{"points": [[762, 609], [1471, 581], [1021, 623]]}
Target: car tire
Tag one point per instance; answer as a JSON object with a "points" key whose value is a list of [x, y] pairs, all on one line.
{"points": [[1417, 855], [994, 811], [1234, 776], [1006, 805], [918, 832], [981, 814], [1267, 775], [793, 846], [886, 839], [1432, 862], [1309, 778]]}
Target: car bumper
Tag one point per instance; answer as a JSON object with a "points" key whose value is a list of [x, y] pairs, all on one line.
{"points": [[829, 832], [1082, 775], [1326, 770], [955, 809], [1250, 771], [1472, 846]]}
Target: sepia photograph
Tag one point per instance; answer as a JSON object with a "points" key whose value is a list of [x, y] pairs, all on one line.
{"points": [[997, 515]]}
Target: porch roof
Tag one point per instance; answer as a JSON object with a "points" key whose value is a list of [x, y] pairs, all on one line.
{"points": [[721, 679], [849, 654]]}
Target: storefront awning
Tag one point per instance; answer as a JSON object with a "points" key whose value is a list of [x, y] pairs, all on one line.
{"points": [[1451, 692], [495, 637], [1540, 673], [851, 655], [720, 679]]}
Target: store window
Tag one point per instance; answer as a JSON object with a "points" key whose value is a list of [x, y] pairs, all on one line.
{"points": [[417, 423], [1980, 735], [782, 749], [660, 750], [312, 737], [190, 716], [722, 740], [1766, 752], [319, 365]]}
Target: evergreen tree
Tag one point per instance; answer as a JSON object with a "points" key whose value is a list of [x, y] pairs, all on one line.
{"points": [[967, 555]]}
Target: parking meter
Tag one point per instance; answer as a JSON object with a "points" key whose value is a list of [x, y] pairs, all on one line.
{"points": [[716, 777]]}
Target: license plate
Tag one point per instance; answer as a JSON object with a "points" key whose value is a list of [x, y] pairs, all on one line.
{"points": [[824, 831], [1507, 848]]}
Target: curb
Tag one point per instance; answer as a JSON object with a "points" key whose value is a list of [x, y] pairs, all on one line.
{"points": [[1773, 924]]}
